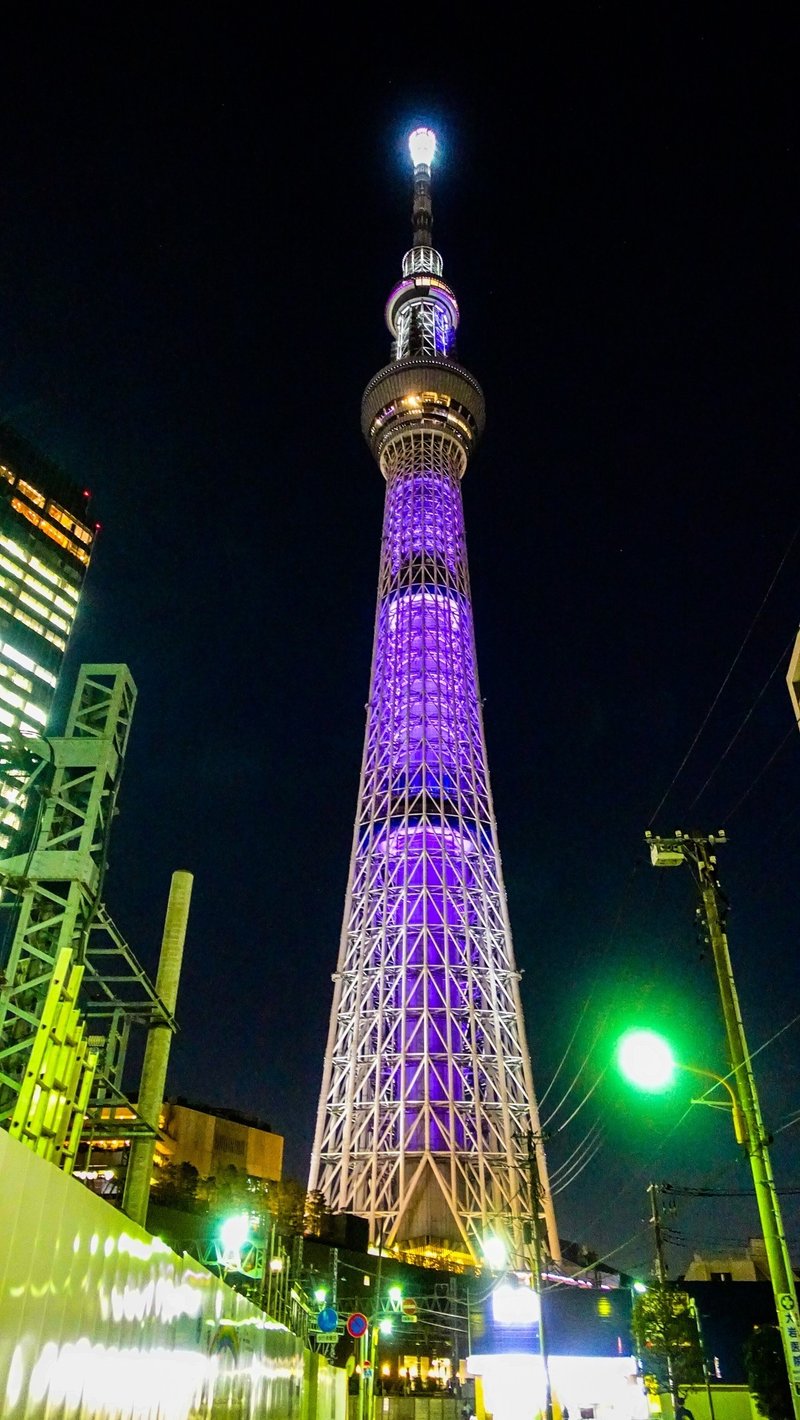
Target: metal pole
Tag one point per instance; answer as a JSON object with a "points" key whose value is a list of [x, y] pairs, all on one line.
{"points": [[535, 1191], [658, 1235], [156, 1053], [769, 1211], [696, 1315], [661, 1278], [372, 1349], [692, 847]]}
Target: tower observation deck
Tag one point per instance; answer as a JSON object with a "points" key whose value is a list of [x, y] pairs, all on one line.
{"points": [[427, 1092]]}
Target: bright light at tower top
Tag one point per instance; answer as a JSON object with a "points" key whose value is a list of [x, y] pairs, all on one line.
{"points": [[422, 145]]}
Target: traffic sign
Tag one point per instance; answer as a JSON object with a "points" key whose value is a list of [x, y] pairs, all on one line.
{"points": [[327, 1319], [409, 1309], [357, 1324]]}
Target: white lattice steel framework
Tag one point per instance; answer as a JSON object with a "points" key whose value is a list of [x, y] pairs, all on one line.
{"points": [[427, 1089]]}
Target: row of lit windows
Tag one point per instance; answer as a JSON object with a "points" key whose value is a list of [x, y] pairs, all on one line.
{"points": [[50, 530], [54, 509], [40, 568], [46, 613], [19, 615], [10, 653], [35, 712], [33, 584], [14, 678]]}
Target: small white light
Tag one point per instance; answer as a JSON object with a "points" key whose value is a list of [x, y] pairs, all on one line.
{"points": [[422, 146], [494, 1250]]}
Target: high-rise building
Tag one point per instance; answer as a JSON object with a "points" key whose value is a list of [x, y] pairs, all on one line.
{"points": [[46, 542], [427, 1122]]}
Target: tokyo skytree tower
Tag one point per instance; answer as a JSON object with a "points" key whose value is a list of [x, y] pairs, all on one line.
{"points": [[427, 1094]]}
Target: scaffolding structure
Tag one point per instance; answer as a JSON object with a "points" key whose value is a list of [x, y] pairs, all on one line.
{"points": [[56, 925]]}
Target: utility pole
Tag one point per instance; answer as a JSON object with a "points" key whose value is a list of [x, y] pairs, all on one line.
{"points": [[697, 851], [658, 1234], [536, 1199], [661, 1277], [701, 1343]]}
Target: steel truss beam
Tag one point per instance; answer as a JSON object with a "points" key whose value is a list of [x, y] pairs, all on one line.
{"points": [[51, 896]]}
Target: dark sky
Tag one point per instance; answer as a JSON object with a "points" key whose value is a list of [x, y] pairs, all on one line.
{"points": [[202, 218]]}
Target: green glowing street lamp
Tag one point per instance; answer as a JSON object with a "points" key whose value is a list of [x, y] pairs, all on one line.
{"points": [[233, 1233], [646, 1060]]}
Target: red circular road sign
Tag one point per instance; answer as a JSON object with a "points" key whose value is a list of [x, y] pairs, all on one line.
{"points": [[357, 1324]]}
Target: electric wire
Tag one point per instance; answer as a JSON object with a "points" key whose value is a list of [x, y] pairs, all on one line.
{"points": [[779, 664], [725, 680], [584, 1101], [566, 1096], [789, 735], [595, 1128], [563, 1059], [577, 1171]]}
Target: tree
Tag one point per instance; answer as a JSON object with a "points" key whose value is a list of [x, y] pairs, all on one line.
{"points": [[766, 1373], [665, 1333], [175, 1186], [287, 1201]]}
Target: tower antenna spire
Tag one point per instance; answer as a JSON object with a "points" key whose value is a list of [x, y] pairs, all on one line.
{"points": [[422, 146]]}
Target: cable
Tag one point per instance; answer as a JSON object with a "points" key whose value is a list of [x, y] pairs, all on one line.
{"points": [[556, 1173], [725, 680], [779, 664], [762, 772], [576, 1172]]}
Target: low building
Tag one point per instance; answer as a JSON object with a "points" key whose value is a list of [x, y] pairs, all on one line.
{"points": [[212, 1140], [747, 1264], [207, 1138]]}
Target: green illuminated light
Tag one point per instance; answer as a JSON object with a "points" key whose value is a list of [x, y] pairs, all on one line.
{"points": [[234, 1232], [646, 1060]]}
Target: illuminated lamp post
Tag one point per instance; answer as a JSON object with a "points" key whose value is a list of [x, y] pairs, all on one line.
{"points": [[233, 1233], [646, 1059]]}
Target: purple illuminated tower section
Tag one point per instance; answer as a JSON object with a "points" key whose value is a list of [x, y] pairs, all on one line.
{"points": [[427, 1093]]}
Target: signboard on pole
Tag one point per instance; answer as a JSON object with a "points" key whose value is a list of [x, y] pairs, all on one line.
{"points": [[790, 1332]]}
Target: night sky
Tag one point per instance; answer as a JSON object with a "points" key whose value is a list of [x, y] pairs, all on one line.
{"points": [[202, 218]]}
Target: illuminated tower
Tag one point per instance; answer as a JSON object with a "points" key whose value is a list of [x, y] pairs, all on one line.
{"points": [[45, 546], [427, 1093]]}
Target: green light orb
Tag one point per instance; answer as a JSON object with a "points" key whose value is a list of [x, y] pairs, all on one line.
{"points": [[234, 1232], [646, 1060]]}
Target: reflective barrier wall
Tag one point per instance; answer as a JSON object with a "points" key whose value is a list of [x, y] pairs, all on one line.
{"points": [[100, 1321]]}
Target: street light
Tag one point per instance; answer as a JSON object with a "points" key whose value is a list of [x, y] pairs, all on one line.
{"points": [[645, 1058], [495, 1252], [233, 1233]]}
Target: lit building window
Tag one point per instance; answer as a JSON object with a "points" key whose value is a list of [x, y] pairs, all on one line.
{"points": [[51, 531], [31, 492]]}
